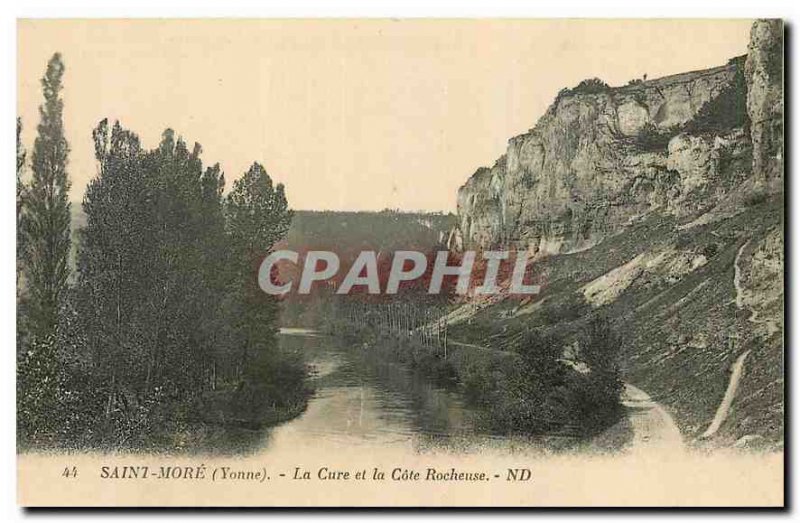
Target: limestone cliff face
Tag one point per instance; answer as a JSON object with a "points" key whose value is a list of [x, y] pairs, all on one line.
{"points": [[480, 210], [659, 204], [764, 70], [599, 158]]}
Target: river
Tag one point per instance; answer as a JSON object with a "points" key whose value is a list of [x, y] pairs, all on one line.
{"points": [[365, 400], [362, 399]]}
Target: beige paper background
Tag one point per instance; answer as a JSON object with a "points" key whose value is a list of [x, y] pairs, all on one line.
{"points": [[666, 479]]}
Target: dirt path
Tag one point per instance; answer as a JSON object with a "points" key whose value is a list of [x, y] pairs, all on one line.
{"points": [[737, 369], [653, 427]]}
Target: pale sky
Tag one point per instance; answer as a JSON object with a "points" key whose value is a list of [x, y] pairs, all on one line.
{"points": [[348, 114]]}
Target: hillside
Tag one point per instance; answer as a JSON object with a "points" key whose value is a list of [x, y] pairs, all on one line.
{"points": [[660, 205], [348, 233], [353, 231]]}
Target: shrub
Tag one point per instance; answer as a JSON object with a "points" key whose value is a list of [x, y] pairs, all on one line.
{"points": [[710, 250], [598, 399], [38, 389], [728, 110], [527, 398], [651, 138], [755, 198], [273, 389], [588, 86], [591, 86], [60, 401]]}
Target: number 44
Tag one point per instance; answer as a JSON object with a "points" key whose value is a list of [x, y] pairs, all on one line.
{"points": [[70, 472]]}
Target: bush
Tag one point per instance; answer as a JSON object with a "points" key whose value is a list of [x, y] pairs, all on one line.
{"points": [[38, 392], [480, 385], [60, 402], [651, 138], [728, 110], [710, 250], [588, 86], [591, 86], [755, 198], [598, 400], [527, 398], [273, 389], [574, 308]]}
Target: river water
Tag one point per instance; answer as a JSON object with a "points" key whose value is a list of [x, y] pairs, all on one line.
{"points": [[364, 400], [367, 401]]}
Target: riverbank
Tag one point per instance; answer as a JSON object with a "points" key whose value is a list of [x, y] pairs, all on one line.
{"points": [[510, 394], [223, 416], [274, 390]]}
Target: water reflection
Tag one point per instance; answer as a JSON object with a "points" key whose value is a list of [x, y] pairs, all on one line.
{"points": [[363, 399], [366, 400]]}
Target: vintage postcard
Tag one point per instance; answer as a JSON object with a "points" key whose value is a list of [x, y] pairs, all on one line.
{"points": [[400, 263]]}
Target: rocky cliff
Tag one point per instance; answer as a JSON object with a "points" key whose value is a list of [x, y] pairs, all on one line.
{"points": [[601, 157], [660, 206], [764, 69]]}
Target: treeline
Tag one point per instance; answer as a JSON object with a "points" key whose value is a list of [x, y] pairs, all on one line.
{"points": [[381, 231], [163, 324], [347, 234], [522, 380]]}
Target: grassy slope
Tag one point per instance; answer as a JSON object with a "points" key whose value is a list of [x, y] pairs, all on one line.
{"points": [[681, 332]]}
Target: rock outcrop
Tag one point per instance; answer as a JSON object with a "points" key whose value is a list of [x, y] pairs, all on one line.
{"points": [[764, 70]]}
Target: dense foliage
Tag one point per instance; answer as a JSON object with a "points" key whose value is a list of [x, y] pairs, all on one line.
{"points": [[164, 325], [587, 86], [727, 110], [541, 392]]}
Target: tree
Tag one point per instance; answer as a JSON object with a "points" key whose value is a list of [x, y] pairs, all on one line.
{"points": [[151, 278], [21, 155], [214, 270], [46, 225], [599, 398], [115, 261], [257, 217], [164, 292], [179, 288]]}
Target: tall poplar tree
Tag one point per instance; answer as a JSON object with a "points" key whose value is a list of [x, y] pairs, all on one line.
{"points": [[46, 227], [21, 155]]}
